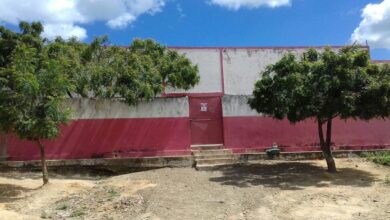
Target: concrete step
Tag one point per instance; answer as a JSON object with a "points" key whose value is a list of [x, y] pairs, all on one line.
{"points": [[206, 146], [215, 161], [207, 167], [210, 156], [213, 156], [211, 152]]}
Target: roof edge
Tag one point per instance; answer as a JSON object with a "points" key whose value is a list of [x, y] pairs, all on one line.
{"points": [[260, 47], [380, 61]]}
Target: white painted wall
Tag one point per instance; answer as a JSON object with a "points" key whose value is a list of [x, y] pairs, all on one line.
{"points": [[237, 105], [104, 108], [242, 67], [208, 61]]}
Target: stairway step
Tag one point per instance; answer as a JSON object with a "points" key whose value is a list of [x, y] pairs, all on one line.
{"points": [[210, 156], [215, 161], [206, 167], [211, 152], [206, 146], [213, 156]]}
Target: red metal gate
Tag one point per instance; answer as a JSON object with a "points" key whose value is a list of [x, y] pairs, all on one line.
{"points": [[206, 120]]}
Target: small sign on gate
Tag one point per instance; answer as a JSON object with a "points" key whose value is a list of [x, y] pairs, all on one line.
{"points": [[203, 107]]}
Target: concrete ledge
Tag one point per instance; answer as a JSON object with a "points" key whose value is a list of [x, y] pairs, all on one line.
{"points": [[123, 164], [306, 155], [109, 163]]}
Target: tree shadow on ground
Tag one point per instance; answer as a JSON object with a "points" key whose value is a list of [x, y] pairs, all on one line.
{"points": [[70, 172], [292, 176], [11, 192]]}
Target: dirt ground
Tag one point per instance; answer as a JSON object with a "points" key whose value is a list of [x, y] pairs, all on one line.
{"points": [[266, 190]]}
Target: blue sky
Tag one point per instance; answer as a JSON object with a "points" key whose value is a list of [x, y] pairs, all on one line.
{"points": [[247, 23]]}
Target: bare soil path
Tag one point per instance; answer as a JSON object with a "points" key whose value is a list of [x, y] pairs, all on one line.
{"points": [[266, 190]]}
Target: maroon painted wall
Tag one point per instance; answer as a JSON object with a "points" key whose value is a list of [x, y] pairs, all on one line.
{"points": [[251, 133], [94, 138]]}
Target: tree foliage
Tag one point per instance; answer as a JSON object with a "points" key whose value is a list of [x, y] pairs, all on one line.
{"points": [[10, 101], [135, 73], [324, 85], [43, 85], [35, 77]]}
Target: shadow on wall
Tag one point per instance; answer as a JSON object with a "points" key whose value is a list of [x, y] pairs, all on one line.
{"points": [[292, 176]]}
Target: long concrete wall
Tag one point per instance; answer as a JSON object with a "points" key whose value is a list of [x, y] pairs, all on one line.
{"points": [[110, 128]]}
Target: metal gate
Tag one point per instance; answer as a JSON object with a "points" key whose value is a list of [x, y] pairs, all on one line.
{"points": [[206, 120]]}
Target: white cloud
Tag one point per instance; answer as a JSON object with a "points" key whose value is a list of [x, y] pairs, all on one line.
{"points": [[65, 17], [121, 21], [64, 30], [237, 4], [375, 25]]}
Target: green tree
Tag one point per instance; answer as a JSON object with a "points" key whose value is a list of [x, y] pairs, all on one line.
{"points": [[69, 54], [135, 73], [10, 101], [35, 77], [44, 86], [34, 83], [324, 85]]}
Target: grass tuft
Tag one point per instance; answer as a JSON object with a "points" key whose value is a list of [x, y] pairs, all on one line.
{"points": [[77, 213], [381, 157], [62, 207], [113, 193], [387, 180], [44, 215]]}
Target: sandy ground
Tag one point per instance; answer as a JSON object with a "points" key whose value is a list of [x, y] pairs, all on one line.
{"points": [[267, 190]]}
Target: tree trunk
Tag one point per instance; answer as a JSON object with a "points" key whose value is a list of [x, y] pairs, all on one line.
{"points": [[326, 143], [45, 174]]}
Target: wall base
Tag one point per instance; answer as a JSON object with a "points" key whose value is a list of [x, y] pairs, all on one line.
{"points": [[123, 164], [111, 164], [305, 155]]}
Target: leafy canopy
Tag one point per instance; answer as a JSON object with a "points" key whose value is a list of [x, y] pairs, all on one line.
{"points": [[324, 85], [136, 73], [33, 84]]}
